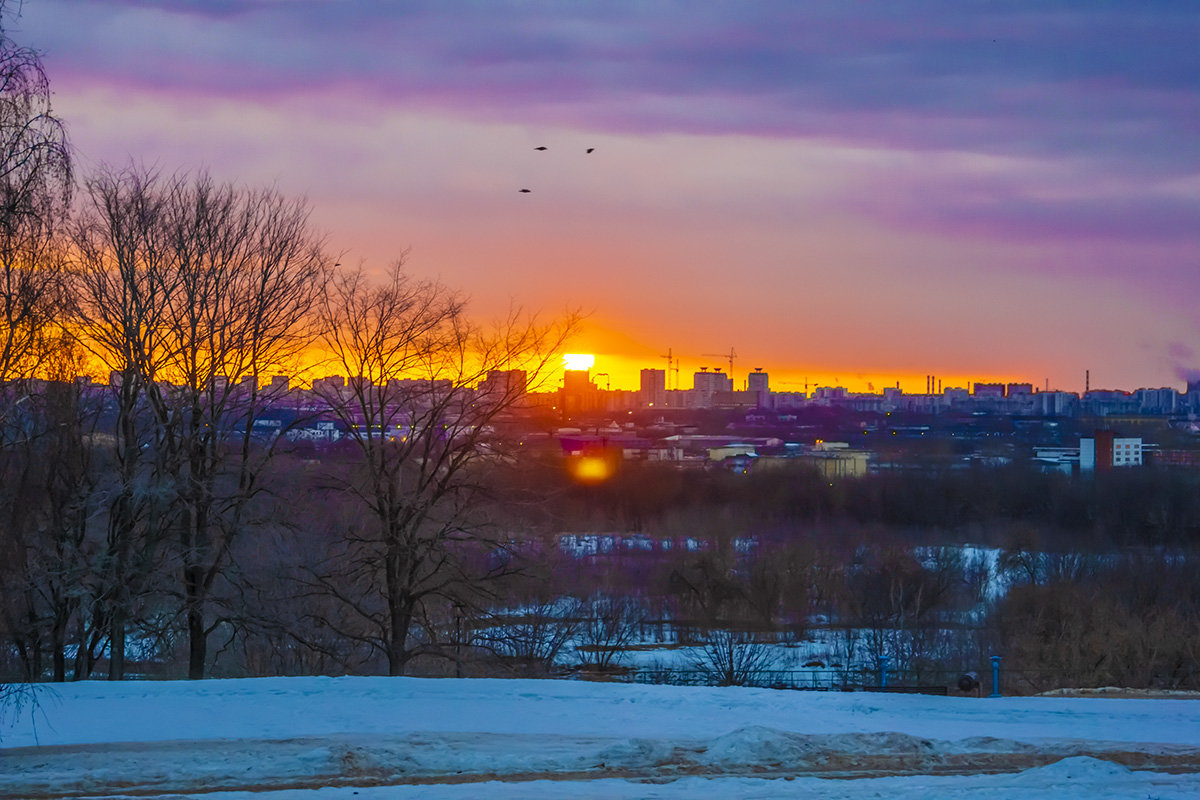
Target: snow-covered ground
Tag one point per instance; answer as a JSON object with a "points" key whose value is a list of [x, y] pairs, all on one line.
{"points": [[374, 738]]}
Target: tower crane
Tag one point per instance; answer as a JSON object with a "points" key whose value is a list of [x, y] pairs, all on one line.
{"points": [[730, 356], [671, 360]]}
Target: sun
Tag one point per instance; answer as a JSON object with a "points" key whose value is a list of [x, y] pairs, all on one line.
{"points": [[578, 361]]}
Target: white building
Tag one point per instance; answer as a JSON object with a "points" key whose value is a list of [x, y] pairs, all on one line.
{"points": [[1105, 451]]}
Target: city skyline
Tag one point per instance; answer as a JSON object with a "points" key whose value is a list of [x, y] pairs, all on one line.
{"points": [[848, 194], [623, 373]]}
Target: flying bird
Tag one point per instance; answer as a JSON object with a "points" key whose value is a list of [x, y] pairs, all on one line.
{"points": [[591, 149], [541, 148], [524, 191]]}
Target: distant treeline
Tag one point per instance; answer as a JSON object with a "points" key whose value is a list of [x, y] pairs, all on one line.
{"points": [[1076, 582], [982, 505]]}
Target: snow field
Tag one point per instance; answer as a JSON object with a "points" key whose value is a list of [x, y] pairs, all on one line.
{"points": [[402, 737]]}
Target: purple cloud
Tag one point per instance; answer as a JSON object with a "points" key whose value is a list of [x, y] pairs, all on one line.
{"points": [[995, 207], [1106, 80], [1097, 105]]}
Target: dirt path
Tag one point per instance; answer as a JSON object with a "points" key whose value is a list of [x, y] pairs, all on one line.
{"points": [[196, 767]]}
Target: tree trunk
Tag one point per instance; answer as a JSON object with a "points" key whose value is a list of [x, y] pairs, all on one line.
{"points": [[81, 649], [400, 618], [58, 636], [116, 643], [400, 611], [85, 658], [120, 540], [197, 638]]}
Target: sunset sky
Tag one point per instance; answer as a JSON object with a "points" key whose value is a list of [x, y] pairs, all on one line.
{"points": [[856, 191]]}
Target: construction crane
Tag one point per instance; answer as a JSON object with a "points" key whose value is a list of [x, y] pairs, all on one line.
{"points": [[671, 360], [795, 383], [730, 356]]}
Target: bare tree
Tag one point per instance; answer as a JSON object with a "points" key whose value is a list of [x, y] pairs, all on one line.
{"points": [[35, 187], [30, 297], [193, 291], [531, 638], [246, 273], [63, 509], [732, 658], [424, 389], [117, 306], [707, 590], [609, 626]]}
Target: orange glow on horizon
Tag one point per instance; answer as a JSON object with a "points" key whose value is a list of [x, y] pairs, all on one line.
{"points": [[625, 373], [622, 356]]}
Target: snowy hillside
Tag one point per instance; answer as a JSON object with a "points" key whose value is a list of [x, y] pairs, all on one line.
{"points": [[374, 738]]}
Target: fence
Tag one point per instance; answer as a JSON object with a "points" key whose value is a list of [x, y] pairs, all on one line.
{"points": [[972, 682]]}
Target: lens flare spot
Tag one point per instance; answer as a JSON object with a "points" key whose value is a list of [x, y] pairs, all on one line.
{"points": [[590, 468]]}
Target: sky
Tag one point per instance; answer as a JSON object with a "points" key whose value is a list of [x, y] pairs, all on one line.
{"points": [[845, 193]]}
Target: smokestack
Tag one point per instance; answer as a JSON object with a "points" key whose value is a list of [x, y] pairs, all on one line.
{"points": [[1087, 381]]}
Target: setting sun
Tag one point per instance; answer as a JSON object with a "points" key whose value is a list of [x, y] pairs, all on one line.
{"points": [[580, 361]]}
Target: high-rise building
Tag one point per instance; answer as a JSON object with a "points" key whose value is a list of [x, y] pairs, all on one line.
{"points": [[759, 384], [1056, 404], [503, 384], [330, 384], [654, 387], [579, 394], [706, 384], [1157, 401]]}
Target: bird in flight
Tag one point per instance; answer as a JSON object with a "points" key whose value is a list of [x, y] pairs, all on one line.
{"points": [[524, 191], [541, 148], [591, 149]]}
